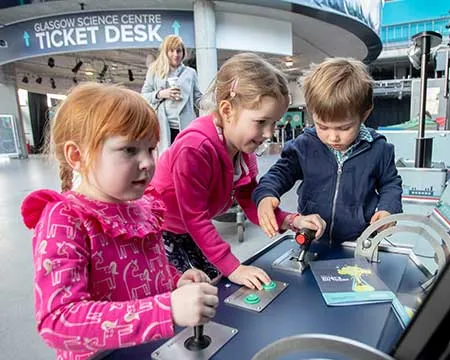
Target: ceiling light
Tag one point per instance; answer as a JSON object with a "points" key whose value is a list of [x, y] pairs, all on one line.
{"points": [[52, 83], [130, 75], [89, 73], [414, 53], [38, 80], [103, 72], [77, 66], [51, 62], [25, 79], [289, 63]]}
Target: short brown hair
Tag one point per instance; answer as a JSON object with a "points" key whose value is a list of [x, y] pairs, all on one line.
{"points": [[243, 80], [337, 88], [91, 113]]}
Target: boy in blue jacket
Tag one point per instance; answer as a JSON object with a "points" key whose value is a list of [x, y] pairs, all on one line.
{"points": [[347, 170]]}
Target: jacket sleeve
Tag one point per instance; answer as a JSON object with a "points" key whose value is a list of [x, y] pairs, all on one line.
{"points": [[197, 93], [244, 199], [281, 176], [191, 188], [67, 316], [148, 89], [389, 184]]}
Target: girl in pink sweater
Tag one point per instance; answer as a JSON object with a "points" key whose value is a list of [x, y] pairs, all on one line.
{"points": [[212, 163], [102, 279]]}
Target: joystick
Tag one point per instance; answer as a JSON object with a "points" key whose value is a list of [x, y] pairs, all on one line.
{"points": [[199, 341], [297, 260], [304, 238], [197, 346]]}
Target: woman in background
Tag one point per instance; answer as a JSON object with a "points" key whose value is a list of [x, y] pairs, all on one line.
{"points": [[171, 88]]}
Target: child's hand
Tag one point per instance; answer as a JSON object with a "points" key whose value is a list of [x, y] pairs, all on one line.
{"points": [[194, 304], [193, 276], [250, 276], [313, 222], [381, 215], [266, 215]]}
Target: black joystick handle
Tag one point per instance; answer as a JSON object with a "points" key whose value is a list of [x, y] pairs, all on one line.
{"points": [[304, 238], [198, 333], [199, 341]]}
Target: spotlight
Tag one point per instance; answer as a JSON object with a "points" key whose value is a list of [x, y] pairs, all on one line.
{"points": [[130, 75], [39, 80], [52, 83], [51, 62], [77, 67], [414, 53], [25, 79], [103, 72], [75, 81]]}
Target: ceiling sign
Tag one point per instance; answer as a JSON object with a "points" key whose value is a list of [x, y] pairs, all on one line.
{"points": [[97, 30]]}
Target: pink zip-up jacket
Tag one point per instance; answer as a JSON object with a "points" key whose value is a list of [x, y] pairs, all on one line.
{"points": [[195, 180], [101, 277]]}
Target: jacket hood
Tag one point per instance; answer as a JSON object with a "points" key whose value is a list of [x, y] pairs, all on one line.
{"points": [[206, 129], [34, 204]]}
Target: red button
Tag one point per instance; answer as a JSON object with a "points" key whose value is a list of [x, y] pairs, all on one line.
{"points": [[301, 239]]}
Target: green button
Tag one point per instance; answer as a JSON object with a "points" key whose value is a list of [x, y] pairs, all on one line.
{"points": [[270, 286], [252, 299]]}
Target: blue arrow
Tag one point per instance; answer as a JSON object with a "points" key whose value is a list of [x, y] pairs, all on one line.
{"points": [[176, 27], [26, 38]]}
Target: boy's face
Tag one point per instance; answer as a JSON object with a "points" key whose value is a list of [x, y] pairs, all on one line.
{"points": [[338, 134]]}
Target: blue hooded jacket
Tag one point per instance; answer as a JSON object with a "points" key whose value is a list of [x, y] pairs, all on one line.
{"points": [[345, 197]]}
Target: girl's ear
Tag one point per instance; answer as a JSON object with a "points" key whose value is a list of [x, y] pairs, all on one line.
{"points": [[72, 154], [225, 110]]}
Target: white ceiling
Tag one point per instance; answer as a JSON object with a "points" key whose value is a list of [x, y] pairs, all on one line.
{"points": [[313, 40]]}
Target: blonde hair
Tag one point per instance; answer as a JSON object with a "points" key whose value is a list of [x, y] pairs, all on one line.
{"points": [[243, 80], [337, 88], [91, 113], [160, 66]]}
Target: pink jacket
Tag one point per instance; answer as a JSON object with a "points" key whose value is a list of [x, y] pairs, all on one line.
{"points": [[102, 279], [195, 179]]}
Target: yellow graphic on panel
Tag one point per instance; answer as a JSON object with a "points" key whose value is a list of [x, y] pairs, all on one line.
{"points": [[356, 273]]}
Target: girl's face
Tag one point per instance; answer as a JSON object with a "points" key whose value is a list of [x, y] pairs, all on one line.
{"points": [[122, 171], [246, 129], [175, 56]]}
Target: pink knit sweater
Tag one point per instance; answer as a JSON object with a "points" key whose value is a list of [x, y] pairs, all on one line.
{"points": [[102, 279]]}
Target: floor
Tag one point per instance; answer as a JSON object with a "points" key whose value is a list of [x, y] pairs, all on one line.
{"points": [[18, 337]]}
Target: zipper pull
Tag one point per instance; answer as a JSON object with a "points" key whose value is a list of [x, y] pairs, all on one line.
{"points": [[339, 169]]}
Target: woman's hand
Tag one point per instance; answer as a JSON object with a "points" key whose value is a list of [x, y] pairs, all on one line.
{"points": [[170, 94]]}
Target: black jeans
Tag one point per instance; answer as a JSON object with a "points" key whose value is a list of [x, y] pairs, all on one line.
{"points": [[184, 254], [173, 135]]}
